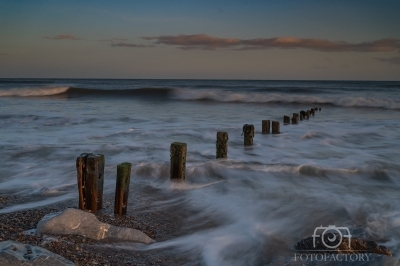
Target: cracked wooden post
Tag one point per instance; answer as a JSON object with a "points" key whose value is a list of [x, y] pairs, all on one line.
{"points": [[222, 145], [265, 126], [122, 188], [178, 161], [286, 119], [90, 173], [275, 127]]}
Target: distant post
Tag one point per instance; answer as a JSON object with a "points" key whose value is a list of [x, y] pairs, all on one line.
{"points": [[222, 145], [286, 119], [275, 127], [248, 131], [90, 173], [308, 114], [312, 111], [122, 188], [178, 161], [266, 126], [295, 120]]}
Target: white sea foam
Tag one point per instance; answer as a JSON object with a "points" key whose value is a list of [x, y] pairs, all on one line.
{"points": [[33, 92], [252, 97]]}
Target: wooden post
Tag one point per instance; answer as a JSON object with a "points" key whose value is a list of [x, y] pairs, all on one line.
{"points": [[295, 120], [295, 114], [178, 161], [286, 119], [248, 131], [122, 188], [266, 126], [308, 114], [222, 145], [312, 111], [90, 169], [320, 109], [302, 112], [315, 109], [301, 117], [275, 127]]}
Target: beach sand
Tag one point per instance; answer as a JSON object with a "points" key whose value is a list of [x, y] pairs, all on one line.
{"points": [[159, 225]]}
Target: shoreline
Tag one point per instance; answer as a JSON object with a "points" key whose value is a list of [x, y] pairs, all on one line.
{"points": [[158, 225]]}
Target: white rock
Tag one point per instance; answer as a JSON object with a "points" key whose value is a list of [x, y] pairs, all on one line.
{"points": [[78, 222]]}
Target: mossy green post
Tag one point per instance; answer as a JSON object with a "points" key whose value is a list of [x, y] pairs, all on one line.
{"points": [[90, 174], [122, 188], [248, 132], [265, 129], [222, 145], [178, 161]]}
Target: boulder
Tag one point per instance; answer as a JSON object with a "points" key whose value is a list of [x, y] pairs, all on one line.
{"points": [[78, 222]]}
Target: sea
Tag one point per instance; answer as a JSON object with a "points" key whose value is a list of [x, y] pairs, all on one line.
{"points": [[339, 169]]}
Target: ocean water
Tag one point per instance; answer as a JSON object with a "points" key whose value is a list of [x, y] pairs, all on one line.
{"points": [[340, 167]]}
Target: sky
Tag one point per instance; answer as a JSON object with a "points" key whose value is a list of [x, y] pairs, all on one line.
{"points": [[218, 39]]}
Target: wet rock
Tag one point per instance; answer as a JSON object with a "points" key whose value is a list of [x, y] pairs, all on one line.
{"points": [[14, 253], [335, 260], [341, 245], [78, 222]]}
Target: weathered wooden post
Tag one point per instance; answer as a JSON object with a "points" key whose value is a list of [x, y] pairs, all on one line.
{"points": [[90, 169], [312, 111], [295, 120], [308, 114], [178, 161], [222, 145], [248, 132], [266, 126], [295, 114], [275, 127], [122, 188], [286, 119]]}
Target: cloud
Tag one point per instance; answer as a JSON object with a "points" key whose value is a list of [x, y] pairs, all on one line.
{"points": [[206, 42], [63, 37], [196, 41], [114, 40], [391, 60], [133, 45]]}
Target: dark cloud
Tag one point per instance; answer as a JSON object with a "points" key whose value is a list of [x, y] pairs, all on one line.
{"points": [[206, 42], [133, 45], [114, 40], [63, 37], [391, 60]]}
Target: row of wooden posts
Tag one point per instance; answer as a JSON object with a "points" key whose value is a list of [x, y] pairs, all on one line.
{"points": [[90, 167]]}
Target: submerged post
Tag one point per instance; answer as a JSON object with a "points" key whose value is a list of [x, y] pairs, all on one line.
{"points": [[122, 188], [222, 145], [178, 161], [90, 173], [265, 126], [275, 127], [286, 119], [248, 131]]}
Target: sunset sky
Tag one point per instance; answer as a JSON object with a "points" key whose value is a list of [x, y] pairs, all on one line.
{"points": [[334, 40]]}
